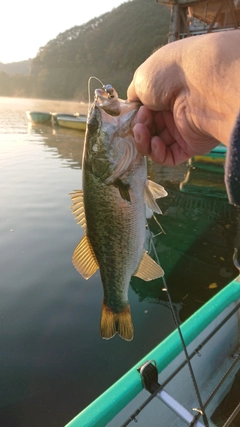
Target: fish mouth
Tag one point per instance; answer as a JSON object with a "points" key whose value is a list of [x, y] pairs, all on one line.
{"points": [[107, 100], [107, 92]]}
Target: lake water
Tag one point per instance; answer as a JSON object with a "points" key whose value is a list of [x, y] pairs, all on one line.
{"points": [[53, 360]]}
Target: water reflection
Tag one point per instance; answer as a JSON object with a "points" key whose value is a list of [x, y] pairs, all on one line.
{"points": [[49, 315], [67, 142], [201, 230], [200, 226]]}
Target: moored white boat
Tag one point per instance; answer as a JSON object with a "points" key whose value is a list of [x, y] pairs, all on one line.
{"points": [[212, 337], [67, 115], [78, 122]]}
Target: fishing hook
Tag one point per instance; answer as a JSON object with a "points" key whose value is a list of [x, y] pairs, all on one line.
{"points": [[107, 88]]}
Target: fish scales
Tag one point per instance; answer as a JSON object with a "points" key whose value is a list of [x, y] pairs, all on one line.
{"points": [[116, 231], [115, 190]]}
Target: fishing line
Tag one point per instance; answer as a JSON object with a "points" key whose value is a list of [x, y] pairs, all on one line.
{"points": [[193, 378], [89, 88], [196, 351], [199, 410], [158, 223]]}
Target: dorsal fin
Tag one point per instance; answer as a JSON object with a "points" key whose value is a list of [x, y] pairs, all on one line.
{"points": [[148, 269], [153, 191], [78, 207], [84, 259]]}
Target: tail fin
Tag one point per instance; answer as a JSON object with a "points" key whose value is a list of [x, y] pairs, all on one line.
{"points": [[113, 323]]}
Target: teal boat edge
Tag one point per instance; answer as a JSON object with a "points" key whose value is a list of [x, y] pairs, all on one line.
{"points": [[115, 398], [219, 149]]}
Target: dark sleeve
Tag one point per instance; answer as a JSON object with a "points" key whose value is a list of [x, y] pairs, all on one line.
{"points": [[232, 165]]}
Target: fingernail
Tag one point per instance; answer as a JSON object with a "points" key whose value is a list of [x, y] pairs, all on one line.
{"points": [[136, 136], [153, 146]]}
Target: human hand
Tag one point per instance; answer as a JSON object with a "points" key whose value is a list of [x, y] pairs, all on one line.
{"points": [[156, 135], [187, 108]]}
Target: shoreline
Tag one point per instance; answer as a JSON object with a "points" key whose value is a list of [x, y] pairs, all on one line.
{"points": [[53, 105]]}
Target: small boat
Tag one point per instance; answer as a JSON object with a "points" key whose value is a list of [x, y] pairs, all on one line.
{"points": [[75, 122], [39, 116], [212, 160], [67, 115], [191, 378], [205, 174]]}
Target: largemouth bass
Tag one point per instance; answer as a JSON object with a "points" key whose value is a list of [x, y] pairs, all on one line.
{"points": [[112, 209]]}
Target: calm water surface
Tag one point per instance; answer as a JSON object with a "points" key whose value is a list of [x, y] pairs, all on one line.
{"points": [[53, 360]]}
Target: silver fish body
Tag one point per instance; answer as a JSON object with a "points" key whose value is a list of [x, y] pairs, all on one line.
{"points": [[112, 209]]}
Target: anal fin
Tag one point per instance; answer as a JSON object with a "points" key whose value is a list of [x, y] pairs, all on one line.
{"points": [[84, 259], [148, 269]]}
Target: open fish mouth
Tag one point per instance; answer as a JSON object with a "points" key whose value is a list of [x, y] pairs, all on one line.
{"points": [[106, 92], [107, 99]]}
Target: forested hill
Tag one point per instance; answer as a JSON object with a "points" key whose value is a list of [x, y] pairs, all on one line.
{"points": [[22, 67], [109, 47]]}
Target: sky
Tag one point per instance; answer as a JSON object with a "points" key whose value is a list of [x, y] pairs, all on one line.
{"points": [[26, 25]]}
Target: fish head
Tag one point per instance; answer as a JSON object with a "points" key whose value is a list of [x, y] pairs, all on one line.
{"points": [[113, 109], [109, 135]]}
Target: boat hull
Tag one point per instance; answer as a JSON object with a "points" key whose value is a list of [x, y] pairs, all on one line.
{"points": [[211, 354], [77, 123], [39, 116], [205, 174], [65, 115]]}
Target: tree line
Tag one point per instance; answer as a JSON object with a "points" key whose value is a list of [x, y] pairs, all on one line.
{"points": [[109, 47]]}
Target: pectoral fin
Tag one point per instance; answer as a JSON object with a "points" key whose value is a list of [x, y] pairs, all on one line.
{"points": [[123, 189], [153, 191], [78, 207], [157, 190], [148, 269], [84, 259]]}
